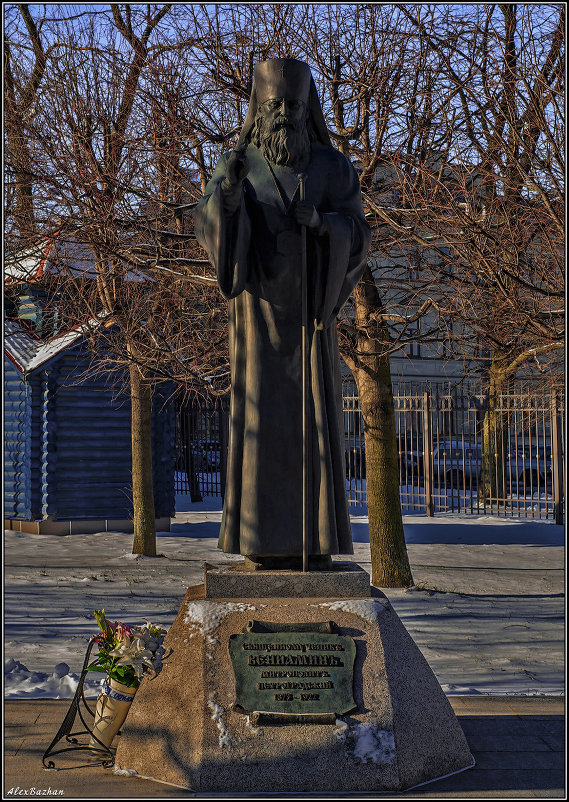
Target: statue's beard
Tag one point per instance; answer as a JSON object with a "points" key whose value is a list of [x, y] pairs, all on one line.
{"points": [[282, 144]]}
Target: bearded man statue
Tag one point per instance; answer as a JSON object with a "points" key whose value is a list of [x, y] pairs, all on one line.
{"points": [[249, 221]]}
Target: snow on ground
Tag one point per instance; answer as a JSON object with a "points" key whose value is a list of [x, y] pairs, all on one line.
{"points": [[486, 610]]}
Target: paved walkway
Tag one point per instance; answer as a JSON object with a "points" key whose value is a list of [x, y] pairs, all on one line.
{"points": [[518, 743]]}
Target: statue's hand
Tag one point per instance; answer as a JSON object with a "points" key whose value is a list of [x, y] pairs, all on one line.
{"points": [[306, 215], [235, 171]]}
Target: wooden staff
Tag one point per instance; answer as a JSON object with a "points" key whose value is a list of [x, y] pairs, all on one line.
{"points": [[305, 388]]}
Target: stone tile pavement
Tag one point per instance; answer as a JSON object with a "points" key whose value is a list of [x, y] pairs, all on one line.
{"points": [[518, 743]]}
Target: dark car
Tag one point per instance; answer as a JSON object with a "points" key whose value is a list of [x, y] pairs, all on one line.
{"points": [[206, 455], [410, 461]]}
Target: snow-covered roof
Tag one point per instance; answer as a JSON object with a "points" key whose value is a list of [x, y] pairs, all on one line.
{"points": [[63, 253], [28, 263], [28, 353], [49, 256]]}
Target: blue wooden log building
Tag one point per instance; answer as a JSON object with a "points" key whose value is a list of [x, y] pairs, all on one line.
{"points": [[67, 439]]}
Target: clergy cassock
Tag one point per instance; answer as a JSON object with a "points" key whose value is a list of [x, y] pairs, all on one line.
{"points": [[257, 255]]}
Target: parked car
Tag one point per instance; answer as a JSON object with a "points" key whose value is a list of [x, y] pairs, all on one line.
{"points": [[410, 461], [206, 455], [458, 464], [356, 462]]}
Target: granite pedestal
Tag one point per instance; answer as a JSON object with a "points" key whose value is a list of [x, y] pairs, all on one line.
{"points": [[183, 727]]}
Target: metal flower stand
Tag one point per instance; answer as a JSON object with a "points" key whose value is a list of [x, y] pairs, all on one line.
{"points": [[107, 757]]}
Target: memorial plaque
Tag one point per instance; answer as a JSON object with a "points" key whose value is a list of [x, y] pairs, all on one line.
{"points": [[293, 673]]}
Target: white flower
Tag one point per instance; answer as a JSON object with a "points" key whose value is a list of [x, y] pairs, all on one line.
{"points": [[138, 658], [143, 652]]}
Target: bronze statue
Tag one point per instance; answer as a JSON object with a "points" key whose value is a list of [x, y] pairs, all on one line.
{"points": [[251, 222]]}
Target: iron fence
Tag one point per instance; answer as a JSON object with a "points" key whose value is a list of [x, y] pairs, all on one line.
{"points": [[462, 450], [201, 447], [459, 450]]}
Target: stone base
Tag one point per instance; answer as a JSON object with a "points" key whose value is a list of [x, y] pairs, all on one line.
{"points": [[182, 728], [232, 581], [87, 526]]}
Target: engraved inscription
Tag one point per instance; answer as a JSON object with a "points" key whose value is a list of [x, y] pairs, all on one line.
{"points": [[293, 672], [294, 660]]}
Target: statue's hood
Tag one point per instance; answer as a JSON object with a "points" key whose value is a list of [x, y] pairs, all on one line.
{"points": [[289, 78]]}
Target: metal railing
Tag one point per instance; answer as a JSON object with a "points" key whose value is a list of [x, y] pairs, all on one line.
{"points": [[201, 448], [459, 450]]}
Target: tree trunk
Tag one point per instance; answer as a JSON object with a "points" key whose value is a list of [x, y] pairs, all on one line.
{"points": [[142, 491], [494, 438], [389, 559], [19, 157], [20, 162], [193, 481]]}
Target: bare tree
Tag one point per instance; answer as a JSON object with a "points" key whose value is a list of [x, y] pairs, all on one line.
{"points": [[22, 79], [112, 189], [366, 65], [85, 176], [484, 199], [452, 114]]}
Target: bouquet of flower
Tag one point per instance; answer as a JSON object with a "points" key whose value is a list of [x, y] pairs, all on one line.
{"points": [[126, 653]]}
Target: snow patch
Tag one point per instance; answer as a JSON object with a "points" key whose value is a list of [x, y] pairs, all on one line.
{"points": [[370, 744], [132, 773], [139, 557], [216, 714], [369, 609], [20, 682], [208, 615], [211, 641], [254, 730], [459, 690], [341, 729]]}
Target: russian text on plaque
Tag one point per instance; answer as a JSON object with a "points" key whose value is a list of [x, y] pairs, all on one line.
{"points": [[293, 672]]}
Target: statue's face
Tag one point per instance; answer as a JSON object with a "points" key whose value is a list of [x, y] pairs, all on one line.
{"points": [[279, 112], [280, 130]]}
